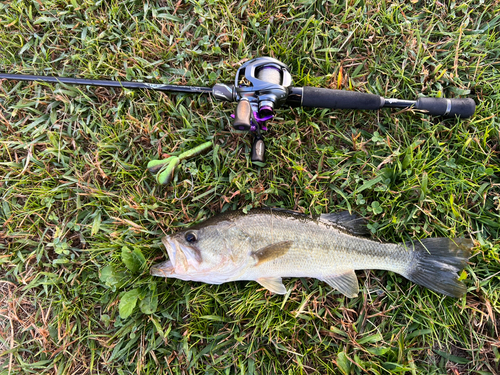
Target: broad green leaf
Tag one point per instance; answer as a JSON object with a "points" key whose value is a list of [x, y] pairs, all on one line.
{"points": [[149, 304], [111, 277], [127, 303], [48, 20], [343, 363], [96, 225], [371, 339], [378, 350], [133, 259]]}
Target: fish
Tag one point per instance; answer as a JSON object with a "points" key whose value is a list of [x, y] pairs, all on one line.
{"points": [[266, 245]]}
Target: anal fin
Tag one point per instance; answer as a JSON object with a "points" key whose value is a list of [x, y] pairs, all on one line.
{"points": [[345, 282], [273, 284]]}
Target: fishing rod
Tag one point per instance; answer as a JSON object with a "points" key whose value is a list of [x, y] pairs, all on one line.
{"points": [[263, 85]]}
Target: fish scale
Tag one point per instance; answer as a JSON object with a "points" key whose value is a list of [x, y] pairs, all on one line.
{"points": [[318, 249]]}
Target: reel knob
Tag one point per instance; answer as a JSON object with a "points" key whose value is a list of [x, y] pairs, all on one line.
{"points": [[258, 151], [243, 116]]}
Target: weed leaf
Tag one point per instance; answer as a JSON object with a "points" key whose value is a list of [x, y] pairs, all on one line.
{"points": [[133, 259], [149, 304], [127, 303]]}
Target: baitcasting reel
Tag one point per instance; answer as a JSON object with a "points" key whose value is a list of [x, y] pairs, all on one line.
{"points": [[261, 85]]}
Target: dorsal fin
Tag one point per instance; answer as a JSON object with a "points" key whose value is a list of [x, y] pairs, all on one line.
{"points": [[271, 252], [352, 223]]}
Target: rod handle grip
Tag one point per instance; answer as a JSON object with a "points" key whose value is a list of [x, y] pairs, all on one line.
{"points": [[447, 107], [340, 99]]}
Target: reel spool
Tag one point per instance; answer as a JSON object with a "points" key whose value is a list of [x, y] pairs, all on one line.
{"points": [[273, 75], [262, 84]]}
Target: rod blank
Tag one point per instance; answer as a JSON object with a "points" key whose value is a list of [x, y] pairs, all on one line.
{"points": [[108, 83]]}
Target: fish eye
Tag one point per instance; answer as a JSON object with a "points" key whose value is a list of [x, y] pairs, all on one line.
{"points": [[190, 237]]}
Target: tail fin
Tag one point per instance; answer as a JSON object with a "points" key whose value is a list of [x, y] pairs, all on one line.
{"points": [[436, 262]]}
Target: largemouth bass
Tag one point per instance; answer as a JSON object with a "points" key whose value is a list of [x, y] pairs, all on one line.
{"points": [[267, 245]]}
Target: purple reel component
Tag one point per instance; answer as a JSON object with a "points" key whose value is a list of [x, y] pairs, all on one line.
{"points": [[257, 121]]}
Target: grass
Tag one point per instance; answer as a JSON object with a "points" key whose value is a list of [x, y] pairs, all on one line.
{"points": [[79, 211]]}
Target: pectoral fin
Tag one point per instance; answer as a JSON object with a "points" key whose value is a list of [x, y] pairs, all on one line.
{"points": [[273, 284], [346, 283], [271, 252]]}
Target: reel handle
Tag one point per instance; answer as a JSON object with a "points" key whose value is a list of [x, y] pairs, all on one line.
{"points": [[243, 115], [258, 151]]}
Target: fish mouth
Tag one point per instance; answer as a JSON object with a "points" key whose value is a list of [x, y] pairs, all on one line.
{"points": [[163, 269], [166, 268], [182, 259], [172, 249]]}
